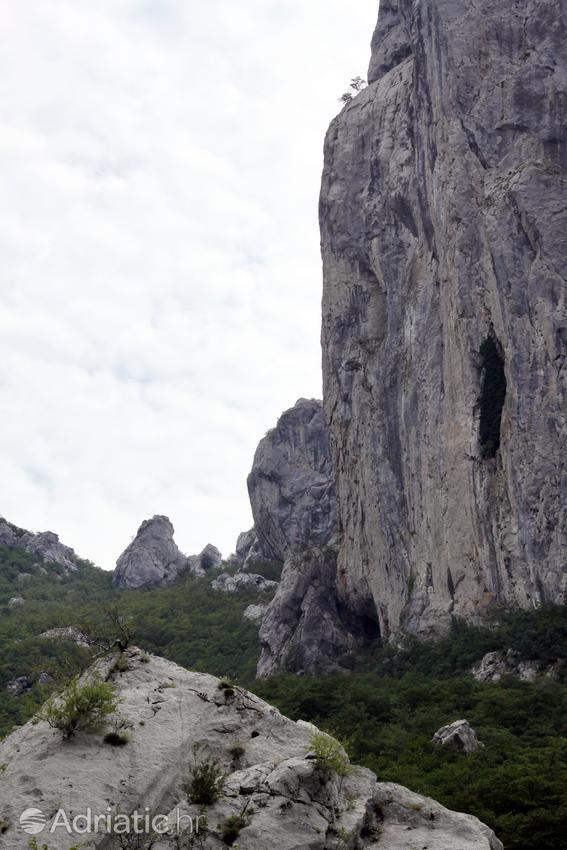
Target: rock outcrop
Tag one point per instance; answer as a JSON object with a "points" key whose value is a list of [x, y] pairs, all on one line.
{"points": [[291, 485], [45, 545], [153, 558], [444, 242], [306, 628], [227, 583], [274, 786], [494, 665], [460, 735], [68, 633]]}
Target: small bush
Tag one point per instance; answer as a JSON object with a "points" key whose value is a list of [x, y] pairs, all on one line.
{"points": [[121, 665], [116, 739], [232, 827], [144, 658], [228, 687], [329, 755], [4, 826], [237, 751], [80, 708], [206, 782]]}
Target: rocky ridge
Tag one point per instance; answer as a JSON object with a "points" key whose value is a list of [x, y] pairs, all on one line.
{"points": [[45, 545], [273, 782]]}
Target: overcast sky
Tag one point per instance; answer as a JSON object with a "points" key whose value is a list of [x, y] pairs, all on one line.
{"points": [[160, 289]]}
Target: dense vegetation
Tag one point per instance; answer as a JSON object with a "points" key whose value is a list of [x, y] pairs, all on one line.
{"points": [[394, 702]]}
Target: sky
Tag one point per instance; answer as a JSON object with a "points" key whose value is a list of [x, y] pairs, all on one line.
{"points": [[160, 290]]}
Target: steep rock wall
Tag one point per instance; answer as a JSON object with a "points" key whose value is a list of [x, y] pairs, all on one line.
{"points": [[444, 239]]}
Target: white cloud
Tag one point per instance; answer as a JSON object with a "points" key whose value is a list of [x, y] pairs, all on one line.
{"points": [[159, 302]]}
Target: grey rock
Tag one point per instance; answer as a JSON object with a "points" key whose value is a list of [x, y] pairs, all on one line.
{"points": [[45, 545], [494, 665], [459, 735], [255, 613], [68, 633], [209, 559], [228, 583], [16, 687], [306, 629], [16, 601], [443, 228], [152, 558], [292, 806], [245, 543], [291, 485]]}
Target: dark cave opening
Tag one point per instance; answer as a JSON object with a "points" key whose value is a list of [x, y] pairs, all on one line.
{"points": [[492, 396]]}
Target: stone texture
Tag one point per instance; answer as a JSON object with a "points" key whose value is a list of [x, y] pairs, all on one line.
{"points": [[291, 485], [494, 665], [44, 545], [444, 224], [306, 628], [240, 582], [16, 601], [152, 558], [255, 613], [293, 806], [246, 542], [69, 633], [209, 559], [459, 735]]}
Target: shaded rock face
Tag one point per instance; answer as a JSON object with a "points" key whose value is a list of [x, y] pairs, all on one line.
{"points": [[459, 735], [291, 805], [45, 545], [291, 486], [306, 628], [209, 559], [152, 558], [444, 241]]}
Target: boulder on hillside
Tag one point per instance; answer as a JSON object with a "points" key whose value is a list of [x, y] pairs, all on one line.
{"points": [[459, 735], [228, 583], [494, 665], [178, 717], [152, 558]]}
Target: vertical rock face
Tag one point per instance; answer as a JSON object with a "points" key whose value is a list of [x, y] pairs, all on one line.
{"points": [[444, 238], [291, 486]]}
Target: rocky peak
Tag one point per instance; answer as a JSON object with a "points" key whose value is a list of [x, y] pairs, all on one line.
{"points": [[152, 558], [44, 545], [283, 799], [291, 486]]}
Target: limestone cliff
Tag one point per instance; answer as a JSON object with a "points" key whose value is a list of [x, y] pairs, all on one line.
{"points": [[444, 239]]}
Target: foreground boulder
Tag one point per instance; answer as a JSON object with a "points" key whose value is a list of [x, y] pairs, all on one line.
{"points": [[272, 787], [460, 735]]}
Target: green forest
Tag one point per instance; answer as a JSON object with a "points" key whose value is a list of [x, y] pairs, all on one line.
{"points": [[394, 702]]}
